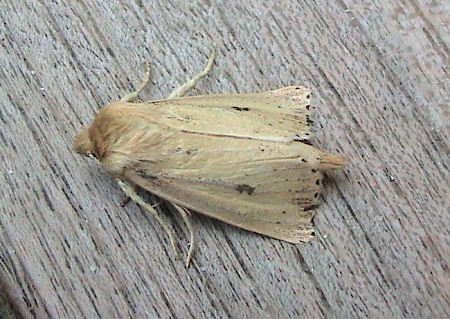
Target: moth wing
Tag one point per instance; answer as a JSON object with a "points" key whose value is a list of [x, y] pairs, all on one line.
{"points": [[235, 157], [265, 187], [279, 115]]}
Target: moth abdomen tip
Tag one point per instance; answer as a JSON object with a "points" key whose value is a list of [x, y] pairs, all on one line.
{"points": [[331, 162]]}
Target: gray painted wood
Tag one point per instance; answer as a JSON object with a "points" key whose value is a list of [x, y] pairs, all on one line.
{"points": [[380, 74]]}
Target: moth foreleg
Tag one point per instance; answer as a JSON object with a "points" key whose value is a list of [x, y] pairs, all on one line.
{"points": [[185, 215], [131, 193], [182, 90], [125, 201], [130, 97]]}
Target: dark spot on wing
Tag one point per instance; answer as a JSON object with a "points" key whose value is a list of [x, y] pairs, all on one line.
{"points": [[245, 188], [150, 178], [192, 151], [239, 108], [145, 174]]}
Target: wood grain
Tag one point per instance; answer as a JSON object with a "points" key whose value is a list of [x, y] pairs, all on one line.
{"points": [[380, 74]]}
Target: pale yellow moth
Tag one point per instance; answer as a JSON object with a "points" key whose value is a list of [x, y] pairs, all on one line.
{"points": [[241, 158]]}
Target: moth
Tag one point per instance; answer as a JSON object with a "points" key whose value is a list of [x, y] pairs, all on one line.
{"points": [[243, 159]]}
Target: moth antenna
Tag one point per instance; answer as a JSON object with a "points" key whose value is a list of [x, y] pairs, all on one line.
{"points": [[130, 192], [185, 215], [182, 90], [130, 97]]}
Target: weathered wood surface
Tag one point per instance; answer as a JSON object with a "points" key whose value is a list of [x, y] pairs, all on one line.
{"points": [[380, 73]]}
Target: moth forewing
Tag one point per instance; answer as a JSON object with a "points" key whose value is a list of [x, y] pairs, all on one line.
{"points": [[240, 158], [280, 115]]}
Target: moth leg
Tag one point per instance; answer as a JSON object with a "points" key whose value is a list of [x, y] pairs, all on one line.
{"points": [[130, 97], [185, 215], [131, 193], [182, 90], [125, 201]]}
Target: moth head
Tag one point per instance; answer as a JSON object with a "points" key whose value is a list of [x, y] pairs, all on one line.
{"points": [[82, 144], [114, 156]]}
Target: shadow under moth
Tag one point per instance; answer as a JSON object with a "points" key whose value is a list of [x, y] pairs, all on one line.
{"points": [[240, 158]]}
